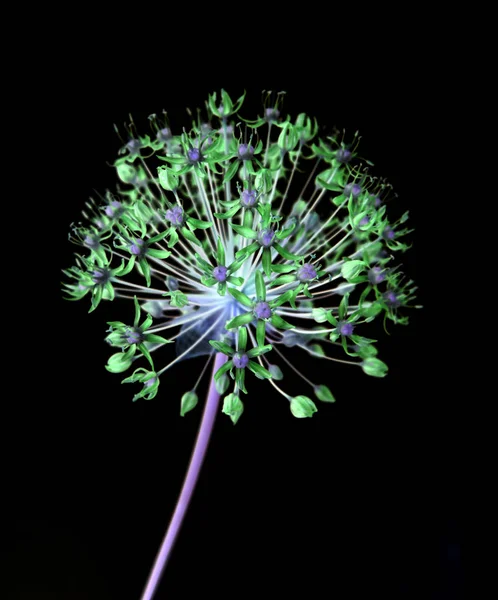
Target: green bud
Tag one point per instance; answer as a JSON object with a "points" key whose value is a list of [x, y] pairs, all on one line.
{"points": [[323, 393], [302, 406], [352, 269], [189, 401], [233, 407], [167, 179], [374, 367]]}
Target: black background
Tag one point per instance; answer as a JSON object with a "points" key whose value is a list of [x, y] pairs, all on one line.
{"points": [[362, 497]]}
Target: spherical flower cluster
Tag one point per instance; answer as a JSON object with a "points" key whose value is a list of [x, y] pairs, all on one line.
{"points": [[234, 253]]}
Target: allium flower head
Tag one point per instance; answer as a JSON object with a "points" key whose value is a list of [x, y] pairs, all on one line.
{"points": [[239, 238]]}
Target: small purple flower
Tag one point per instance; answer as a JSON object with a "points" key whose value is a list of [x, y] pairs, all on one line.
{"points": [[114, 209], [194, 155], [306, 273], [101, 275], [364, 221], [138, 247], [175, 216], [345, 329], [262, 310], [352, 189], [265, 237], [388, 233], [248, 198], [220, 273], [246, 151], [133, 146], [376, 275], [240, 360], [271, 114], [343, 155], [391, 299], [91, 241], [150, 382], [164, 135], [134, 336]]}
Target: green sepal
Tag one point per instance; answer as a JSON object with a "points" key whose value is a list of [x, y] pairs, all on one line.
{"points": [[266, 262], [146, 353], [282, 268], [259, 350], [235, 280], [121, 361], [261, 332], [233, 407], [145, 268], [188, 235], [136, 319], [222, 347], [374, 367], [282, 280], [189, 401], [162, 254], [351, 269], [158, 237], [302, 406], [240, 375], [229, 213], [285, 253], [282, 299], [280, 323], [246, 232], [205, 266], [223, 369], [197, 224], [257, 369], [242, 339], [243, 253], [323, 393], [243, 319], [235, 266], [231, 171], [152, 338], [173, 237], [260, 286], [208, 281]]}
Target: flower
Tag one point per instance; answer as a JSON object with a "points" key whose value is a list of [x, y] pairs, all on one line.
{"points": [[231, 256]]}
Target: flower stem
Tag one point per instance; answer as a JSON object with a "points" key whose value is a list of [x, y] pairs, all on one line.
{"points": [[206, 427]]}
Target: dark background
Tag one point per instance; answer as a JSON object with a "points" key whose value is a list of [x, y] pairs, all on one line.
{"points": [[362, 497]]}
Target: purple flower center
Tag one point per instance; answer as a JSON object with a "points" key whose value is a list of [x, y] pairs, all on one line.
{"points": [[391, 299], [343, 155], [271, 114], [134, 146], [150, 382], [364, 221], [163, 135], [113, 209], [306, 273], [376, 275], [220, 273], [194, 155], [91, 241], [262, 310], [101, 276], [175, 215], [138, 247], [352, 189], [134, 336], [248, 198], [388, 233], [246, 151], [345, 328], [265, 237], [240, 360]]}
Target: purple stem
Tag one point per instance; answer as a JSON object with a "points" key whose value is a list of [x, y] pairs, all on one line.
{"points": [[208, 418]]}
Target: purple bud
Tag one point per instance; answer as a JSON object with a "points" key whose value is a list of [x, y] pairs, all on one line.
{"points": [[220, 273], [164, 135], [345, 328], [364, 221], [262, 310], [376, 275], [113, 209], [343, 155], [175, 215], [246, 151], [306, 273], [271, 114], [352, 189], [377, 202], [194, 155], [240, 361], [391, 299], [134, 336], [248, 198], [137, 247], [388, 233], [265, 237]]}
